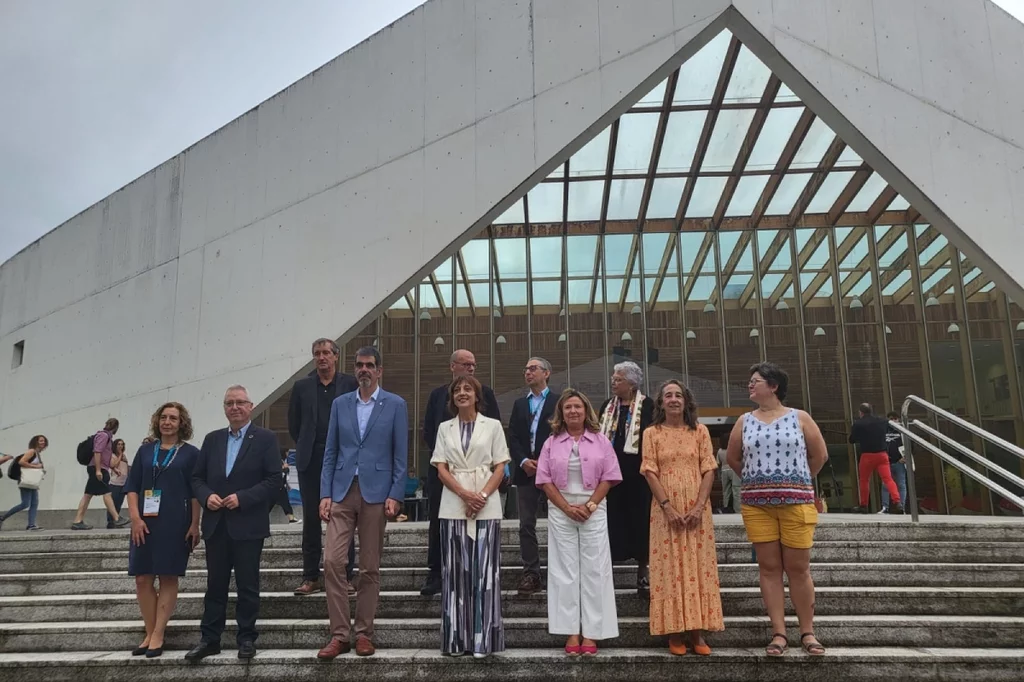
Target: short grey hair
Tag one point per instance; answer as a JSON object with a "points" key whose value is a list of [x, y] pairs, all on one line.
{"points": [[631, 371], [369, 351], [238, 387], [544, 364], [332, 342]]}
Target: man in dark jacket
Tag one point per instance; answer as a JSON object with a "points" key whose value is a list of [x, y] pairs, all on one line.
{"points": [[309, 413], [869, 433], [237, 474], [528, 428], [462, 363]]}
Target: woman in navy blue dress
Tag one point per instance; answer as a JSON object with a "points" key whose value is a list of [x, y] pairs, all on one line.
{"points": [[165, 519]]}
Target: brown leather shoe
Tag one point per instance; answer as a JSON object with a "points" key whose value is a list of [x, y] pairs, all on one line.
{"points": [[334, 648], [364, 647], [309, 587], [530, 584]]}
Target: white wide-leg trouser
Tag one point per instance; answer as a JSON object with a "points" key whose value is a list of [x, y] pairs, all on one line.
{"points": [[581, 588]]}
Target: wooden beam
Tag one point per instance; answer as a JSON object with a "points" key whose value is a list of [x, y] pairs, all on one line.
{"points": [[805, 255], [437, 293], [796, 139], [747, 146], [497, 278], [835, 150], [934, 263], [877, 208], [702, 254], [732, 262], [849, 193], [765, 263], [842, 251], [465, 283], [902, 262], [666, 260], [628, 275], [659, 140]]}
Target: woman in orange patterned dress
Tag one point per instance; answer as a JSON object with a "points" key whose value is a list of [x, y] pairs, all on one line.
{"points": [[679, 463]]}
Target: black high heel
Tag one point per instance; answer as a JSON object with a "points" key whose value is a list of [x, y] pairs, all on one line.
{"points": [[139, 651], [154, 653]]}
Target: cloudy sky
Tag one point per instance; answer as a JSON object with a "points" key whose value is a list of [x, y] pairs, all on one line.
{"points": [[98, 92]]}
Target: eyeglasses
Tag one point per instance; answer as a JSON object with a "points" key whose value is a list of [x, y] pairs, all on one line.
{"points": [[236, 403], [755, 382], [533, 368], [366, 365], [618, 380]]}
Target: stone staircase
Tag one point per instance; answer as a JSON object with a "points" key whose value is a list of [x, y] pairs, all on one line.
{"points": [[943, 600]]}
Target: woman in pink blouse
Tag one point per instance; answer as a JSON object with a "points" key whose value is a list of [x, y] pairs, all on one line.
{"points": [[576, 468]]}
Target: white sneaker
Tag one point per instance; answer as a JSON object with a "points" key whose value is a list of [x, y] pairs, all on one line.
{"points": [[883, 510]]}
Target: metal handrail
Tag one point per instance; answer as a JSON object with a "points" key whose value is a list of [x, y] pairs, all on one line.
{"points": [[909, 437]]}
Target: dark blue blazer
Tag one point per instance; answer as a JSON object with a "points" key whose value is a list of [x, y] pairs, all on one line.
{"points": [[255, 478]]}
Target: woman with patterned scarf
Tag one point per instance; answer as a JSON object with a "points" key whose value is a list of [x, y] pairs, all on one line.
{"points": [[623, 420]]}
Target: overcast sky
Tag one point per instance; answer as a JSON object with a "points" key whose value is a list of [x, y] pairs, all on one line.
{"points": [[98, 92]]}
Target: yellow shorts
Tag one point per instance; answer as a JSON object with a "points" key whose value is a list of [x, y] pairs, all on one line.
{"points": [[793, 524]]}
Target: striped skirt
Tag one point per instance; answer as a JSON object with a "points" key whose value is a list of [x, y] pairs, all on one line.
{"points": [[471, 588]]}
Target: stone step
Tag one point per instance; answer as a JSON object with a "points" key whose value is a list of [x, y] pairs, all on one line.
{"points": [[412, 579], [414, 557], [868, 664], [424, 633], [728, 528], [736, 601]]}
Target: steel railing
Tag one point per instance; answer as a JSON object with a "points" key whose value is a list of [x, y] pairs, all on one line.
{"points": [[907, 427]]}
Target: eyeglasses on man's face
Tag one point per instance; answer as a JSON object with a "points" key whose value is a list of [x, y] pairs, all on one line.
{"points": [[533, 368], [236, 403], [366, 365]]}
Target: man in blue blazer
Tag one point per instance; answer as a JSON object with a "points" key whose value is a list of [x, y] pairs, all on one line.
{"points": [[236, 475], [362, 485]]}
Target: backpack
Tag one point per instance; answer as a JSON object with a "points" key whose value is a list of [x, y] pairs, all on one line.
{"points": [[85, 451], [14, 471]]}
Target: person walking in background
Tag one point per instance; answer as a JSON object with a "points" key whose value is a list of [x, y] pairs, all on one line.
{"points": [[576, 469], [281, 499], [528, 429], [98, 481], [236, 475], [309, 415], [870, 433], [730, 479], [362, 486], [165, 520], [777, 451], [679, 464], [462, 363], [624, 418], [118, 477], [897, 465], [470, 455], [30, 459]]}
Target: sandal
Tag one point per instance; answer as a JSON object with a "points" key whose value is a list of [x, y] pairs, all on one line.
{"points": [[776, 650], [813, 648]]}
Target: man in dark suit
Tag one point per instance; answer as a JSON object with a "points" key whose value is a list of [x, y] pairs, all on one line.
{"points": [[309, 414], [237, 474], [528, 428], [462, 363]]}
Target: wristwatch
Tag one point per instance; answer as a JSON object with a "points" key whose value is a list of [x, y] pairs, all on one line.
{"points": [[591, 506], [483, 494]]}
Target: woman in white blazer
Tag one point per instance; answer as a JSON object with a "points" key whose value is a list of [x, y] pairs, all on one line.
{"points": [[470, 457]]}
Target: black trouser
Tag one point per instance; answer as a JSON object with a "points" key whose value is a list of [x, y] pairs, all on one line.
{"points": [[312, 530], [530, 499], [222, 555], [434, 490], [281, 500]]}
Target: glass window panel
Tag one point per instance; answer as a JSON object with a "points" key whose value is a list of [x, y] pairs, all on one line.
{"points": [[655, 244], [749, 78], [747, 193], [546, 256], [579, 291], [897, 283], [786, 95], [558, 173], [814, 146], [787, 193], [546, 202], [829, 191], [868, 194], [933, 249], [428, 299], [655, 96], [819, 259], [443, 273], [512, 216], [935, 278], [476, 254], [972, 275], [706, 194], [769, 282], [480, 293], [802, 237], [777, 130], [665, 196], [849, 158], [735, 286], [510, 255], [703, 288], [617, 248], [547, 293], [513, 293], [593, 158], [692, 244], [730, 131], [824, 291], [585, 200], [862, 285], [580, 252], [699, 75], [680, 143], [401, 304], [899, 204], [624, 199], [727, 242], [894, 250], [669, 292], [773, 247], [635, 142], [858, 252]]}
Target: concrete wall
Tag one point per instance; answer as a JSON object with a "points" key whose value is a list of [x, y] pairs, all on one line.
{"points": [[303, 217]]}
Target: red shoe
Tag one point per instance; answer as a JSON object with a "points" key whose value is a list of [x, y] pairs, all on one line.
{"points": [[588, 649], [572, 650]]}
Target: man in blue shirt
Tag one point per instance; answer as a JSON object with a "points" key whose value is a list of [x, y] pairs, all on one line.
{"points": [[528, 428]]}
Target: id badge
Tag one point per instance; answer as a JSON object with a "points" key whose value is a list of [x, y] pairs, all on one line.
{"points": [[151, 503]]}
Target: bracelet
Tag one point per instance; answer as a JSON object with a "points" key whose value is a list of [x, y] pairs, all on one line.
{"points": [[663, 503]]}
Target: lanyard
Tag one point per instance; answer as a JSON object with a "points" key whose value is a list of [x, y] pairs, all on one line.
{"points": [[160, 467], [541, 399]]}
